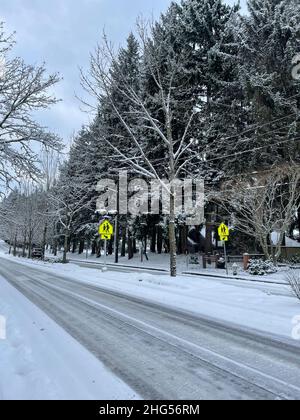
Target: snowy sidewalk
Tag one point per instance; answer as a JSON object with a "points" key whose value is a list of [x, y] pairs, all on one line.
{"points": [[39, 360], [160, 263]]}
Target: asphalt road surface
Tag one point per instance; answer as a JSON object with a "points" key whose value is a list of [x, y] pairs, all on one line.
{"points": [[160, 352]]}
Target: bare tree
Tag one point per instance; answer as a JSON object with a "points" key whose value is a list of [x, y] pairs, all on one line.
{"points": [[263, 204], [22, 218], [10, 220], [23, 90], [31, 214], [50, 161], [68, 199], [164, 65]]}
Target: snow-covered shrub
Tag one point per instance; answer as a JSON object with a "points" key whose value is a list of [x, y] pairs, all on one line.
{"points": [[293, 277], [293, 260], [55, 260], [261, 268]]}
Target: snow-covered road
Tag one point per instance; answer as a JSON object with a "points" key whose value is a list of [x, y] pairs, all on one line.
{"points": [[162, 353]]}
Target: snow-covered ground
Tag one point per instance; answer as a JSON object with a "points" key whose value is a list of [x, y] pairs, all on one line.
{"points": [[161, 262], [39, 360], [270, 308]]}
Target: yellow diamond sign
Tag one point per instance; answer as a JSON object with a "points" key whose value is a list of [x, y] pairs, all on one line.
{"points": [[223, 232], [106, 230]]}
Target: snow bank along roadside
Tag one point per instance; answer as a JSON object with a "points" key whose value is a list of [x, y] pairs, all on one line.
{"points": [[267, 308], [161, 262], [39, 360]]}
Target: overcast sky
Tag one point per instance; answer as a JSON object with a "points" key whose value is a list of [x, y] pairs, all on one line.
{"points": [[62, 33]]}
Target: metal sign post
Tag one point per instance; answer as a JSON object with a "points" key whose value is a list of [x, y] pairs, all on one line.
{"points": [[224, 236]]}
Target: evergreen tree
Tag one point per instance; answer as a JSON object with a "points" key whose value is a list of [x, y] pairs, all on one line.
{"points": [[208, 29], [268, 40]]}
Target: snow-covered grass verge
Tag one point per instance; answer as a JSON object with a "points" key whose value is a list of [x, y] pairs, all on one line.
{"points": [[265, 307], [162, 262], [39, 360]]}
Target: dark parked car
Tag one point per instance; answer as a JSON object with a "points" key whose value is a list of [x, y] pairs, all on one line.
{"points": [[37, 253]]}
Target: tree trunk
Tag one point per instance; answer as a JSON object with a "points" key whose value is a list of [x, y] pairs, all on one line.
{"points": [[264, 243], [299, 222], [134, 247], [24, 249], [184, 235], [98, 250], [94, 248], [30, 244], [44, 240], [182, 241], [153, 240], [66, 247], [172, 175], [130, 247], [172, 236], [87, 249], [278, 250], [15, 246], [55, 241], [55, 248], [159, 240], [74, 246], [123, 250], [208, 238], [117, 228], [81, 247], [110, 248], [24, 245]]}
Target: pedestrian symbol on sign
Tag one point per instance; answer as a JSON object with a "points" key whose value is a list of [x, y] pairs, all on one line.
{"points": [[106, 230]]}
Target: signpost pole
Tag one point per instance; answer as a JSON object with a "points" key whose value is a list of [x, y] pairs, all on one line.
{"points": [[105, 255], [226, 258]]}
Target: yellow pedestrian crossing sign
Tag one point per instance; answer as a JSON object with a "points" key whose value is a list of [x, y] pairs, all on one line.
{"points": [[106, 230], [223, 232]]}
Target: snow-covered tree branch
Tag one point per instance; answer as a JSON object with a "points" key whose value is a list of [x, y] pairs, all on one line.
{"points": [[262, 205], [23, 91]]}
